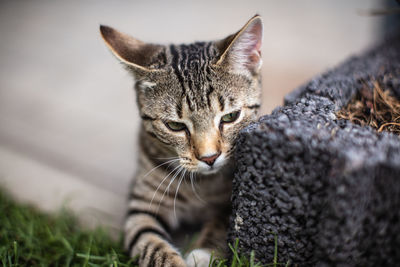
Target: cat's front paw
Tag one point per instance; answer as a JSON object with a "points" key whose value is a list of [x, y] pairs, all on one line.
{"points": [[198, 258], [161, 255], [174, 261]]}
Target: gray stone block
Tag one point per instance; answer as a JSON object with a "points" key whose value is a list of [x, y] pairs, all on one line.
{"points": [[328, 189]]}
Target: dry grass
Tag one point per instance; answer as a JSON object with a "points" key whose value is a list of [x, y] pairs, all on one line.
{"points": [[376, 108]]}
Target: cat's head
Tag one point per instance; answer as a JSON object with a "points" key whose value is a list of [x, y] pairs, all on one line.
{"points": [[195, 98]]}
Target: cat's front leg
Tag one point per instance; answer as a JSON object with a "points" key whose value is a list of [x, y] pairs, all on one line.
{"points": [[212, 241], [145, 236]]}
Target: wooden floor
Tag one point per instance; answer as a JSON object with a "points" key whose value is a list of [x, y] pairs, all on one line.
{"points": [[67, 114]]}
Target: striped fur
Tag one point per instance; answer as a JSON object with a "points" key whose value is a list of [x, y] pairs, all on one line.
{"points": [[193, 100]]}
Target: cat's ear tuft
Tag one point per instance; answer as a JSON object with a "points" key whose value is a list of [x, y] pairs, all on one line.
{"points": [[132, 52], [242, 50]]}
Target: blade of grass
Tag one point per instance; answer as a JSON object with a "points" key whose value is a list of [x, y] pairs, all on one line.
{"points": [[91, 257], [275, 261], [15, 244], [252, 258], [88, 253], [236, 259], [211, 259]]}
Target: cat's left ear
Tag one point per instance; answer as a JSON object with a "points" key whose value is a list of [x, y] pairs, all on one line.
{"points": [[242, 50], [135, 54]]}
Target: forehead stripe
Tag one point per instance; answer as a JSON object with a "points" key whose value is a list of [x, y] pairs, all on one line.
{"points": [[147, 117], [221, 102], [189, 103], [179, 109], [210, 90], [174, 64], [253, 106]]}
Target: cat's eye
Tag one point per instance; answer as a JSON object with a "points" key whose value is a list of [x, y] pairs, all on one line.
{"points": [[230, 117], [175, 126]]}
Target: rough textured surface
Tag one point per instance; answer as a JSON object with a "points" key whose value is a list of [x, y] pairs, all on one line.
{"points": [[329, 189]]}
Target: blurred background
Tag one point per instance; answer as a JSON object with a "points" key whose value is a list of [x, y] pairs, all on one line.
{"points": [[68, 118]]}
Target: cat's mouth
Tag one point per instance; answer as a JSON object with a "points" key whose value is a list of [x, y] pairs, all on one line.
{"points": [[194, 165], [208, 169]]}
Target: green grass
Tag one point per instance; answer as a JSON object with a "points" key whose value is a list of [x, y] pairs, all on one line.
{"points": [[31, 238]]}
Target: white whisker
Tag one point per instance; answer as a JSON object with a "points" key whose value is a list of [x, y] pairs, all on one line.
{"points": [[167, 189], [194, 189], [185, 180], [158, 166], [158, 187], [177, 189], [168, 158]]}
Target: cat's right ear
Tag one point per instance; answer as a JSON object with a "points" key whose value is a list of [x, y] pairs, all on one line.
{"points": [[135, 54]]}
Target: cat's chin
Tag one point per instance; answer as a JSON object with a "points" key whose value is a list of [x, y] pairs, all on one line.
{"points": [[209, 171]]}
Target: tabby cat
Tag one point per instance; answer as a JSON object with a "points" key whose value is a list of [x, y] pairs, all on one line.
{"points": [[193, 100]]}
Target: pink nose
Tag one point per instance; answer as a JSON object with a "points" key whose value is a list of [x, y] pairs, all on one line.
{"points": [[210, 159]]}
